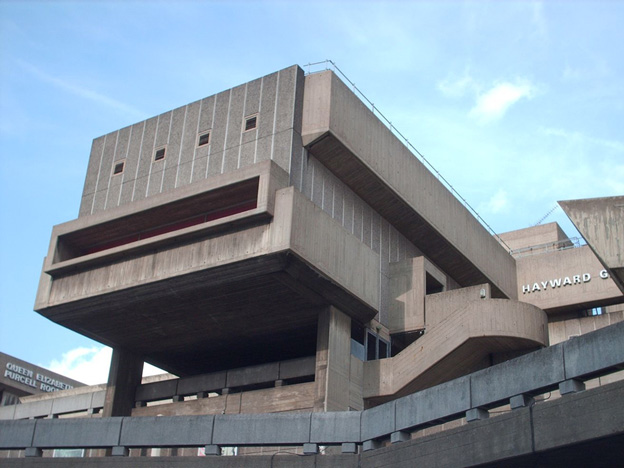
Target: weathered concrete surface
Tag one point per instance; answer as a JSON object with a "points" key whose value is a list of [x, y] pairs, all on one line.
{"points": [[457, 344], [542, 281], [333, 361], [275, 99], [546, 434], [157, 431], [573, 327], [283, 460], [529, 373], [535, 239], [442, 401], [335, 427], [15, 433], [259, 429], [601, 223], [352, 142], [76, 432], [277, 273], [124, 377], [408, 289], [595, 350]]}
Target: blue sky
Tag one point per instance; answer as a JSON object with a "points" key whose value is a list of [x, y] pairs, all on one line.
{"points": [[517, 104]]}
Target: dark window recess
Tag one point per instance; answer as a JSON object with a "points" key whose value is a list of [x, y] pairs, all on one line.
{"points": [[204, 139], [358, 332], [433, 286], [119, 167], [251, 122], [160, 154], [371, 347], [202, 208], [383, 349], [376, 347]]}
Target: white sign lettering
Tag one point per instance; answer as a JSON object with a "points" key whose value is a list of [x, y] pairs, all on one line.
{"points": [[25, 376], [561, 282]]}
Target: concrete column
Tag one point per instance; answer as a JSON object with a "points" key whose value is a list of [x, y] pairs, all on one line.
{"points": [[333, 361], [123, 379]]}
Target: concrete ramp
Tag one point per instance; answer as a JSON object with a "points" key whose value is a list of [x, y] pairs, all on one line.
{"points": [[468, 336]]}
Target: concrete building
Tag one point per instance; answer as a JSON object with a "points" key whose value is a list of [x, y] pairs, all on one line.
{"points": [[278, 249], [20, 378]]}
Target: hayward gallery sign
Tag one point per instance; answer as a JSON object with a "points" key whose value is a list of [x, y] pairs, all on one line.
{"points": [[561, 282]]}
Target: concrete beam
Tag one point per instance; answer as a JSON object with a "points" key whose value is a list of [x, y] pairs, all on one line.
{"points": [[262, 429], [16, 434], [76, 432], [196, 431], [601, 223]]}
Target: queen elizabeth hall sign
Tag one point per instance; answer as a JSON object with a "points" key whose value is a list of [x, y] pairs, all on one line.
{"points": [[29, 379]]}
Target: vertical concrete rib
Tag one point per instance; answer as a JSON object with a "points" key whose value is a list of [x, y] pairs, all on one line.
{"points": [[136, 172], [212, 123], [255, 158], [240, 140], [166, 160], [201, 103], [97, 180], [275, 113], [123, 174], [227, 129], [110, 178], [151, 156], [186, 108]]}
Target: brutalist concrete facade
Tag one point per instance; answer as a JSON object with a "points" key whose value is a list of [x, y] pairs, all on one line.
{"points": [[274, 223]]}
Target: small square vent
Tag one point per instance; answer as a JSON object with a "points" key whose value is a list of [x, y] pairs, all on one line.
{"points": [[251, 122], [119, 167], [203, 139], [159, 154]]}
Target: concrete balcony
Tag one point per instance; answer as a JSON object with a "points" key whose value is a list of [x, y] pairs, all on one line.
{"points": [[226, 272]]}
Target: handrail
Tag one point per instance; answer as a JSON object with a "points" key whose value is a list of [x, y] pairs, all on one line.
{"points": [[564, 366], [239, 379]]}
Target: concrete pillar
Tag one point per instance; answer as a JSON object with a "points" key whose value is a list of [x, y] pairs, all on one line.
{"points": [[123, 379], [333, 361]]}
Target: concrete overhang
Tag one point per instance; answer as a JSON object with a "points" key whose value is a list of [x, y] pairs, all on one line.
{"points": [[243, 288], [340, 131], [601, 223]]}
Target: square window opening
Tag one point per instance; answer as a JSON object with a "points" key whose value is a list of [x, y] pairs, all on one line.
{"points": [[203, 139], [119, 167], [251, 122], [159, 154]]}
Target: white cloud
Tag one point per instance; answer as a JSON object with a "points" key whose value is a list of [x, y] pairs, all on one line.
{"points": [[498, 202], [493, 104], [77, 90], [458, 87], [90, 365]]}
